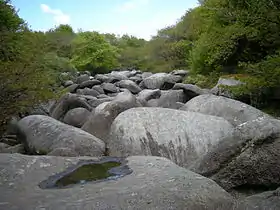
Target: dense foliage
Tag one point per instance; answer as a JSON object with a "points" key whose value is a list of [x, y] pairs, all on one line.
{"points": [[219, 37]]}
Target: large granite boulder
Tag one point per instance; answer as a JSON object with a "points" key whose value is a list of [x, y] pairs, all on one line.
{"points": [[180, 136], [249, 159], [42, 135], [234, 111], [155, 183]]}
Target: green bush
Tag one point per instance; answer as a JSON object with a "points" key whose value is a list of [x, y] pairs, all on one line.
{"points": [[202, 81]]}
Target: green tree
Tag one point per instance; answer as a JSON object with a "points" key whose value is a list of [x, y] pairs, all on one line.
{"points": [[59, 40], [25, 80], [92, 52]]}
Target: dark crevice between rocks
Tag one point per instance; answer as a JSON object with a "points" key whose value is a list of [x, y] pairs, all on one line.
{"points": [[246, 190], [88, 172]]}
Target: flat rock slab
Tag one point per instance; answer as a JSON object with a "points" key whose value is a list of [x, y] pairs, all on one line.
{"points": [[155, 183]]}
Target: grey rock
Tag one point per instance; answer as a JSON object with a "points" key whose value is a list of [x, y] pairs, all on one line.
{"points": [[234, 111], [136, 79], [249, 158], [222, 91], [168, 99], [190, 90], [130, 85], [88, 91], [174, 78], [68, 83], [116, 76], [177, 135], [171, 80], [123, 89], [102, 96], [89, 83], [87, 72], [67, 102], [10, 139], [82, 78], [109, 88], [156, 183], [178, 105], [155, 81], [88, 97], [147, 94], [100, 121], [5, 148], [43, 134], [102, 78], [97, 102], [64, 152], [180, 72], [269, 200], [121, 75], [146, 74], [73, 88], [152, 103], [12, 126], [160, 81], [76, 117], [112, 94], [98, 88], [142, 102]]}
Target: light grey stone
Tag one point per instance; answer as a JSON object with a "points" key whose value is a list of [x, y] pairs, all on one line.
{"points": [[234, 111], [43, 134], [177, 135], [76, 117]]}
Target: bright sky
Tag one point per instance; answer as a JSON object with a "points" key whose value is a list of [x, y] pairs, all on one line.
{"points": [[141, 18]]}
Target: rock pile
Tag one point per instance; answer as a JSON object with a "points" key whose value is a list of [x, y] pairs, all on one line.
{"points": [[187, 148]]}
